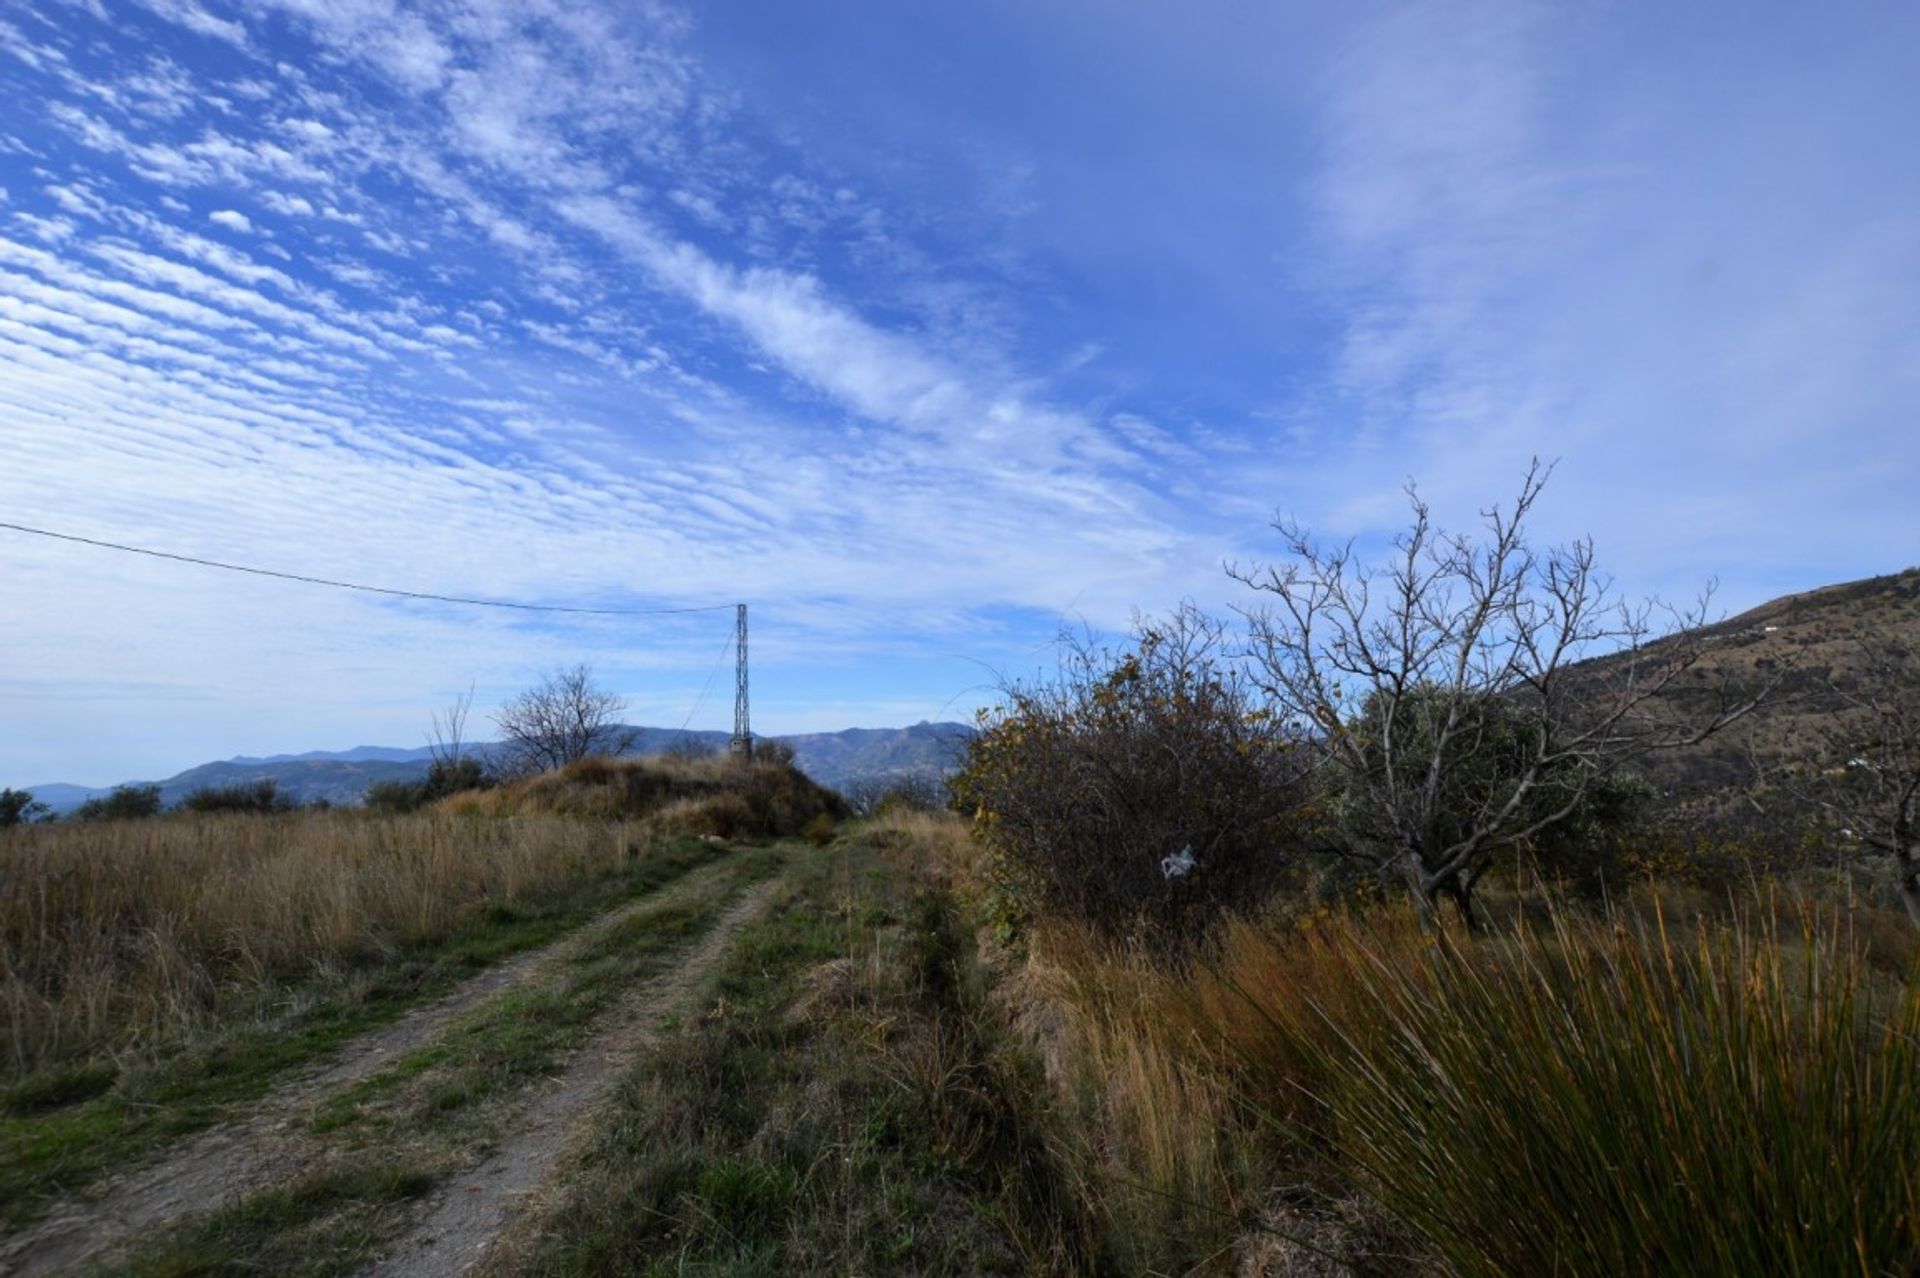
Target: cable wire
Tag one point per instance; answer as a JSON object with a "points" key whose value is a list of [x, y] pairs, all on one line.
{"points": [[351, 585], [707, 687]]}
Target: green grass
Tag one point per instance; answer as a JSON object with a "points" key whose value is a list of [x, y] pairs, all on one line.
{"points": [[839, 1107], [323, 1226], [62, 1128], [434, 1111]]}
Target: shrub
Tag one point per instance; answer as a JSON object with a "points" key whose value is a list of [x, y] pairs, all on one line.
{"points": [[261, 796], [724, 816], [1146, 787], [17, 807], [444, 777], [125, 803], [819, 831], [396, 797]]}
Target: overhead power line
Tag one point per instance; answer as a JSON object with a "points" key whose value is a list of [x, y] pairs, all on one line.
{"points": [[353, 585]]}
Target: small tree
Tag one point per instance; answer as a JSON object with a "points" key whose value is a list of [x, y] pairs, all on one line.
{"points": [[562, 720], [453, 768], [1446, 694], [17, 807]]}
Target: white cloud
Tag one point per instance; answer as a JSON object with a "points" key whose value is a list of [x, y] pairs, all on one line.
{"points": [[194, 16], [232, 219], [291, 205]]}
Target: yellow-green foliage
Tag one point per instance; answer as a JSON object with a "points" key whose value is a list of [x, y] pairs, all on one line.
{"points": [[116, 935], [717, 795]]}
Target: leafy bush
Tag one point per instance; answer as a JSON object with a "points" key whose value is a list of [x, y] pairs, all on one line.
{"points": [[125, 803], [17, 807], [1139, 788], [262, 796]]}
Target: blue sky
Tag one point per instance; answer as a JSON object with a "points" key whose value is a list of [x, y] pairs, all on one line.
{"points": [[924, 328]]}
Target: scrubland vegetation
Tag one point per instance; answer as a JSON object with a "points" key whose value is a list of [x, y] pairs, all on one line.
{"points": [[1362, 938], [1214, 874]]}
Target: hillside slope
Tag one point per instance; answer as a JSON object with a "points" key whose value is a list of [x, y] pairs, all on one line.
{"points": [[1853, 636]]}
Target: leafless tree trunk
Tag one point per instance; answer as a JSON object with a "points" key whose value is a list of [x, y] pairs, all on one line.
{"points": [[1445, 688], [446, 738], [562, 720]]}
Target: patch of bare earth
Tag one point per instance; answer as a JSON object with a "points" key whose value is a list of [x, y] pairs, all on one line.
{"points": [[266, 1145], [470, 1213]]}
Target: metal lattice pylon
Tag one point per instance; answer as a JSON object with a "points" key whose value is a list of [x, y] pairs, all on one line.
{"points": [[742, 743]]}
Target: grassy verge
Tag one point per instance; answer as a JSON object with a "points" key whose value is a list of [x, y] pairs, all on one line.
{"points": [[389, 1138], [61, 1128], [843, 1104]]}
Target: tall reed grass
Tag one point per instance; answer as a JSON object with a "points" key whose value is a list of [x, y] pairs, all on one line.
{"points": [[1610, 1101], [119, 936], [1580, 1096]]}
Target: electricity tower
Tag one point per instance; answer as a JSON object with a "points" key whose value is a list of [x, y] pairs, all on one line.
{"points": [[741, 747]]}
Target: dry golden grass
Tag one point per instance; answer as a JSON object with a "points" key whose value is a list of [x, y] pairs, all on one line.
{"points": [[715, 795], [1341, 1050], [121, 935], [1166, 1160]]}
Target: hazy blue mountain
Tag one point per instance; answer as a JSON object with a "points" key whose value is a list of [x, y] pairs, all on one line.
{"points": [[834, 759], [62, 797], [359, 754]]}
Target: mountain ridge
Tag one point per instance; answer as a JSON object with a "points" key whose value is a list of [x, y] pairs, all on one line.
{"points": [[834, 759]]}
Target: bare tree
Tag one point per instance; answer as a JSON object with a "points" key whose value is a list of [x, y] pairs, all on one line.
{"points": [[562, 720], [446, 737], [1445, 691], [1864, 776]]}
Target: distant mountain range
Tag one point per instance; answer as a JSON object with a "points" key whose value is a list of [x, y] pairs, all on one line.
{"points": [[834, 759]]}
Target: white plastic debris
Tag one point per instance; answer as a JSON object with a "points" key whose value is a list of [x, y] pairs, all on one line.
{"points": [[1178, 865]]}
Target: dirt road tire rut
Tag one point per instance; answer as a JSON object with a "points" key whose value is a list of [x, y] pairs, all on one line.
{"points": [[254, 1150], [467, 1214]]}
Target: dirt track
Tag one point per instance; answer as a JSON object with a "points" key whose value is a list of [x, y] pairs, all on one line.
{"points": [[468, 1214], [271, 1142]]}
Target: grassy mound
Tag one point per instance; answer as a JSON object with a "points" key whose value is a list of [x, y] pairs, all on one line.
{"points": [[716, 795]]}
